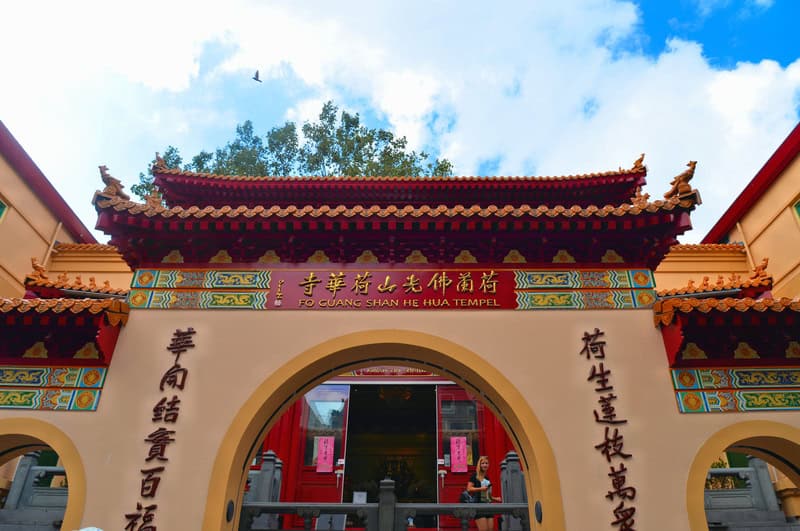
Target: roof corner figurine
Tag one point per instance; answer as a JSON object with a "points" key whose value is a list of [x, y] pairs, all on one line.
{"points": [[113, 185], [680, 184]]}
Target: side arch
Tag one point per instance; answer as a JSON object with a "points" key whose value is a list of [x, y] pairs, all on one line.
{"points": [[363, 349], [22, 435], [774, 442]]}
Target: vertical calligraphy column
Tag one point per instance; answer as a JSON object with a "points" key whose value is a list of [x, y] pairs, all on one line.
{"points": [[612, 446], [165, 415]]}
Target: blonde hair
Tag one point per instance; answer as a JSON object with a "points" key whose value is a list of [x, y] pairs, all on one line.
{"points": [[478, 471]]}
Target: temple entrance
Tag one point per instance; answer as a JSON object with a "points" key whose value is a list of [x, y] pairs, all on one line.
{"points": [[342, 438], [392, 434], [282, 420]]}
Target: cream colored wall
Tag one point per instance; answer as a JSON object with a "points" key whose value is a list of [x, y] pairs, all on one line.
{"points": [[26, 230], [537, 352], [772, 230], [678, 267]]}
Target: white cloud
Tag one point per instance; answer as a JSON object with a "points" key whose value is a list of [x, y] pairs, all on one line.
{"points": [[538, 87], [705, 7], [766, 4]]}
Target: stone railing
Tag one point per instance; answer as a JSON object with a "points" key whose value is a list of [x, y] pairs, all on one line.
{"points": [[386, 515], [29, 506], [741, 497], [261, 509]]}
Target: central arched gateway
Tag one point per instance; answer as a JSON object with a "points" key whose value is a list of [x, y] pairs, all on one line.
{"points": [[367, 348], [499, 285]]}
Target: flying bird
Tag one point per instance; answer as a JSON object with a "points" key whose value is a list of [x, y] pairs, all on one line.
{"points": [[256, 77]]}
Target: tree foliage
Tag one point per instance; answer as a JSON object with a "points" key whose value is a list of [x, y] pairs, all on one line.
{"points": [[335, 144]]}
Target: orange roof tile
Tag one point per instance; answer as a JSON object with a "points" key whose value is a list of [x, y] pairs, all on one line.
{"points": [[120, 205], [96, 247], [666, 309], [75, 285], [115, 310], [705, 247], [640, 168], [38, 278], [734, 282], [759, 279], [184, 188]]}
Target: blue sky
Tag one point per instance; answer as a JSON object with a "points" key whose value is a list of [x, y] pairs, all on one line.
{"points": [[730, 31], [536, 88]]}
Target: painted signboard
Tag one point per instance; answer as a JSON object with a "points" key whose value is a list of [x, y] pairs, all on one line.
{"points": [[458, 452], [324, 454], [390, 288]]}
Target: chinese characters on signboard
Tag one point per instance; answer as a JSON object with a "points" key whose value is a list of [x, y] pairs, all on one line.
{"points": [[164, 415], [395, 289], [612, 445], [324, 453], [458, 449]]}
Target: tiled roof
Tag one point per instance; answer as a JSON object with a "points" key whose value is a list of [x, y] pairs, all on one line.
{"points": [[38, 278], [184, 188], [705, 247], [759, 279], [356, 179], [75, 285], [115, 310], [734, 282], [666, 309], [95, 247], [120, 205]]}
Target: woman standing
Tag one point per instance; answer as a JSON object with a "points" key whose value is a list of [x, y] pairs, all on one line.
{"points": [[480, 488]]}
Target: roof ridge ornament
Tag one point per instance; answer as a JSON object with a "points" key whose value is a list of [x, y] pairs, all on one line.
{"points": [[153, 199], [160, 163], [39, 272], [114, 186], [760, 271], [33, 281], [640, 199], [638, 164], [680, 186], [759, 278]]}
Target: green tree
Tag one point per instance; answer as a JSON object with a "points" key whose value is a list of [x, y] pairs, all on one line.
{"points": [[336, 144]]}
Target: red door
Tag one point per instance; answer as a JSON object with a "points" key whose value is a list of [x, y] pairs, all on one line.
{"points": [[296, 439], [460, 416], [324, 416]]}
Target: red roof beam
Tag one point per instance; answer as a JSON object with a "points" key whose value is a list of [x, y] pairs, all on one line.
{"points": [[772, 169], [18, 159]]}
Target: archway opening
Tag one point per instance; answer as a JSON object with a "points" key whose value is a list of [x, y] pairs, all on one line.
{"points": [[752, 480], [338, 441], [42, 477], [474, 375]]}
